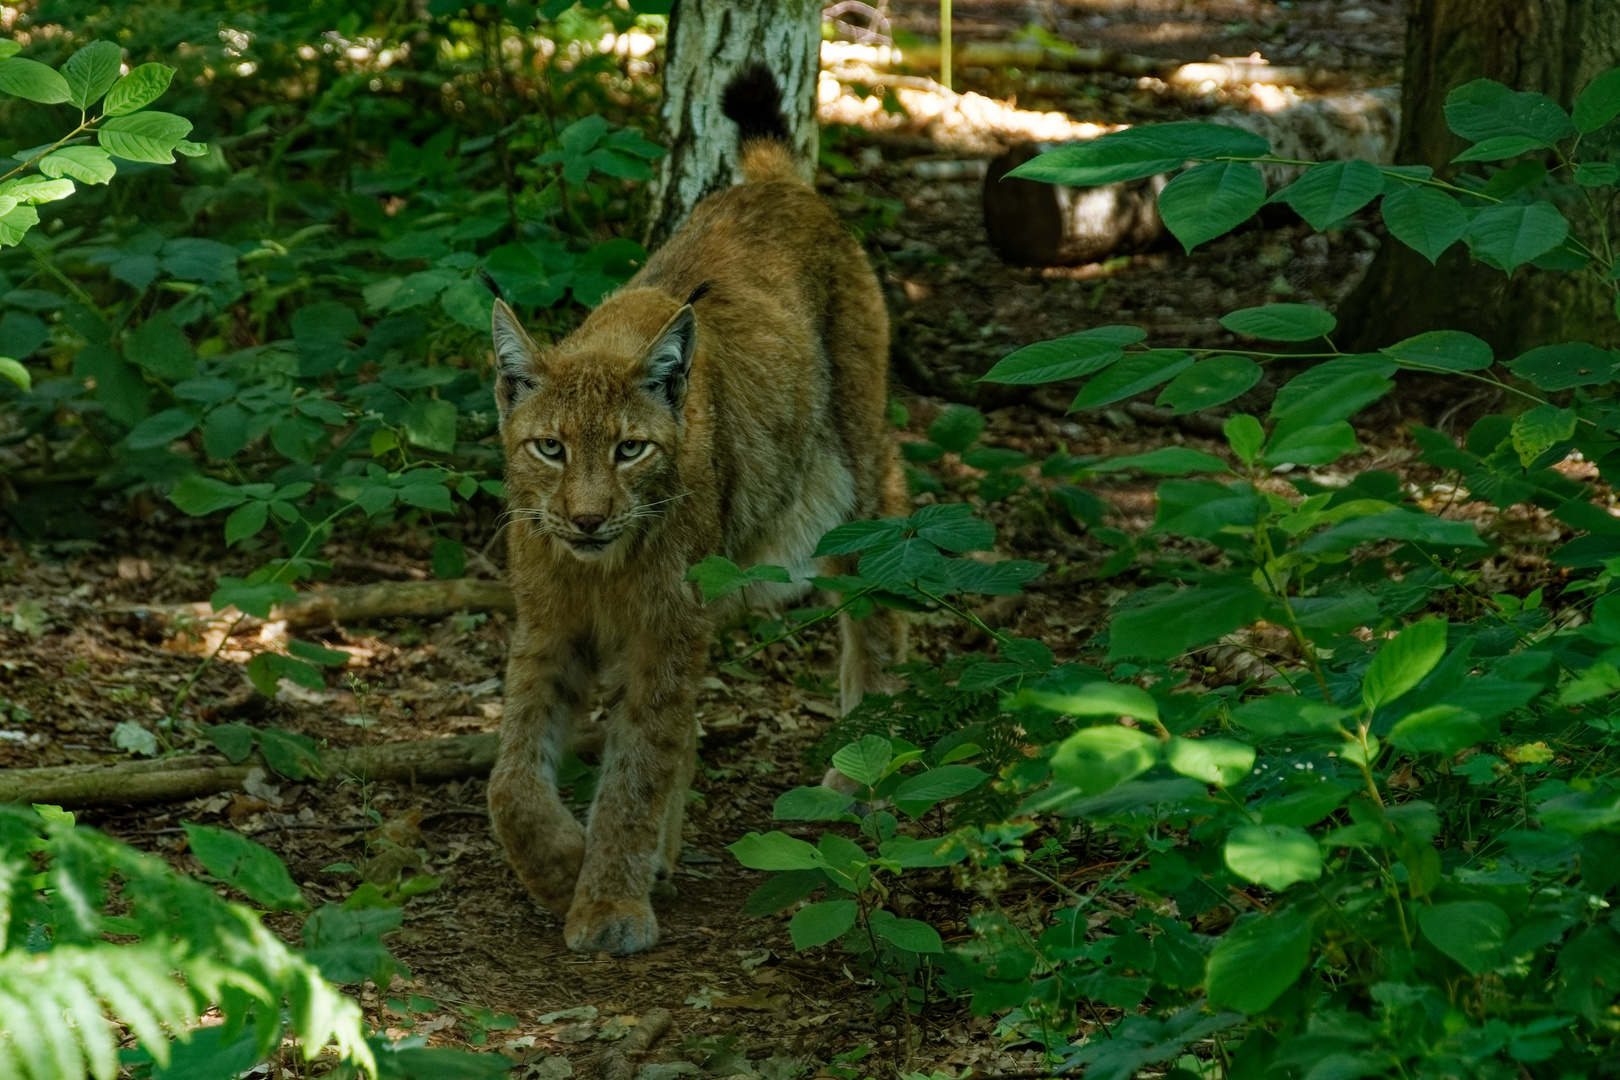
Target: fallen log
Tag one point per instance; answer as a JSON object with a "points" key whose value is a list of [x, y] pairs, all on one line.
{"points": [[347, 604], [139, 783]]}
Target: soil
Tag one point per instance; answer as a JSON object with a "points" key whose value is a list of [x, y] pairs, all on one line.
{"points": [[73, 664]]}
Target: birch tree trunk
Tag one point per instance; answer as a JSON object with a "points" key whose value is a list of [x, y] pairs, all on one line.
{"points": [[1554, 47], [708, 43]]}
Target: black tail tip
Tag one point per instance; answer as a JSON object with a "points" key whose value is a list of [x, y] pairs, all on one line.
{"points": [[753, 102]]}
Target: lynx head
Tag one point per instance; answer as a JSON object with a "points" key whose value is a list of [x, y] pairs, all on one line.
{"points": [[593, 426]]}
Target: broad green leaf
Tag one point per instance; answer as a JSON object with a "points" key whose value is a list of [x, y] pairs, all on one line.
{"points": [[255, 599], [1442, 350], [1500, 148], [245, 865], [1255, 961], [1539, 430], [1599, 103], [1471, 932], [912, 935], [1275, 856], [245, 521], [91, 71], [1095, 759], [918, 794], [1560, 367], [1287, 714], [1395, 525], [775, 851], [1166, 461], [865, 761], [1097, 699], [131, 736], [717, 576], [1187, 619], [35, 190], [86, 164], [431, 423], [1208, 200], [811, 804], [957, 428], [1597, 174], [1327, 193], [1138, 152], [1005, 578], [856, 536], [235, 741], [265, 671], [1245, 436], [318, 654], [1209, 383], [147, 136], [15, 372], [1072, 357], [15, 222], [1511, 234], [1403, 661], [1425, 219], [1131, 376], [782, 891], [1485, 109], [817, 924], [32, 81], [142, 86], [1204, 508], [1214, 761], [1306, 806], [160, 429], [1281, 322], [8, 48], [1320, 445], [953, 527], [1439, 729]]}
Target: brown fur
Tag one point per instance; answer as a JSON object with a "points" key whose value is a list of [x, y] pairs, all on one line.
{"points": [[774, 434]]}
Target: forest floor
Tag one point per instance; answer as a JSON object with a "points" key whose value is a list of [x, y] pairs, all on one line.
{"points": [[72, 665]]}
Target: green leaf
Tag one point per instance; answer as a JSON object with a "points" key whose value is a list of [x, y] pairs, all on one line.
{"points": [[1539, 430], [255, 599], [1471, 932], [1403, 662], [15, 372], [1500, 148], [35, 190], [1096, 759], [1599, 103], [1281, 322], [1287, 714], [251, 868], [1275, 856], [1255, 961], [147, 136], [431, 423], [292, 755], [1138, 152], [266, 670], [957, 428], [1072, 357], [1425, 219], [1209, 383], [912, 935], [1214, 761], [1187, 619], [1597, 174], [318, 654], [1097, 699], [903, 564], [775, 851], [1245, 436], [245, 521], [1560, 367], [717, 576], [1320, 445], [817, 924], [8, 48], [235, 741], [1442, 350], [918, 794], [1208, 200], [1439, 729], [1306, 806], [856, 536], [15, 222], [86, 164], [1485, 109], [32, 81], [1327, 193], [782, 890], [428, 495], [1511, 234], [159, 346], [131, 736], [160, 429], [142, 86], [1166, 461], [865, 761], [449, 557], [91, 71], [1203, 508], [469, 303], [811, 804], [1131, 376]]}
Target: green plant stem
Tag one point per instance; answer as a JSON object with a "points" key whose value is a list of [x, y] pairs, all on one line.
{"points": [[945, 43], [84, 125], [823, 617]]}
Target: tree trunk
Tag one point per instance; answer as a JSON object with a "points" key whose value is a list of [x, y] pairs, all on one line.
{"points": [[710, 42], [1554, 47]]}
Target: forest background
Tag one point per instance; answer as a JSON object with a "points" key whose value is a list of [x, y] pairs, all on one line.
{"points": [[1260, 722]]}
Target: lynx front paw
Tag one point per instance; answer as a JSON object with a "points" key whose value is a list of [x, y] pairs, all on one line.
{"points": [[551, 872], [614, 926]]}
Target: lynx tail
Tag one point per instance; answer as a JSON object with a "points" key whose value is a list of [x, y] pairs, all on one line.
{"points": [[753, 102]]}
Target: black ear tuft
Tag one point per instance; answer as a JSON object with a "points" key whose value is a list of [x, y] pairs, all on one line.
{"points": [[490, 284], [669, 361], [699, 293], [515, 353]]}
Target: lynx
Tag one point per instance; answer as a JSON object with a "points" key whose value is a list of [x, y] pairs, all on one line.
{"points": [[729, 399]]}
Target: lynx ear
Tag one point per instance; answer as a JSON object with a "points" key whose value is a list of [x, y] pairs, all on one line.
{"points": [[515, 354], [669, 361]]}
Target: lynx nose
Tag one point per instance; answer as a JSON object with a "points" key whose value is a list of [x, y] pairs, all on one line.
{"points": [[588, 523]]}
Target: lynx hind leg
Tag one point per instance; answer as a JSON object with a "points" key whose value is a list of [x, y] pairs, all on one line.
{"points": [[869, 647], [544, 842]]}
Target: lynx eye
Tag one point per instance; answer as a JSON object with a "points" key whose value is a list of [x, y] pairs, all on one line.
{"points": [[546, 449], [630, 449]]}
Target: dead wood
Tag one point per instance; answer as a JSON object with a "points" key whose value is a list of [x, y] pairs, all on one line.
{"points": [[348, 604], [617, 1063], [136, 783]]}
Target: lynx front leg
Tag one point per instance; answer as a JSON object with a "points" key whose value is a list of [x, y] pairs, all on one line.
{"points": [[544, 842], [647, 762]]}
